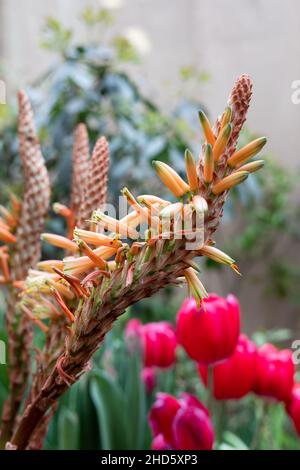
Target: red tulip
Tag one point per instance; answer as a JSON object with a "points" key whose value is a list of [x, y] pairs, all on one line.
{"points": [[209, 334], [133, 328], [293, 408], [157, 339], [234, 377], [159, 443], [162, 415], [182, 424], [160, 344], [149, 378], [274, 372]]}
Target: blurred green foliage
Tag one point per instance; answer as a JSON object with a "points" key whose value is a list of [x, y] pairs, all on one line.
{"points": [[89, 83]]}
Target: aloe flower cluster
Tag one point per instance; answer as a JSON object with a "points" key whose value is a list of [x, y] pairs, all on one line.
{"points": [[112, 263]]}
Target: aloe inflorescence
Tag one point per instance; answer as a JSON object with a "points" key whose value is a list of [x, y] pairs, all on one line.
{"points": [[112, 263]]}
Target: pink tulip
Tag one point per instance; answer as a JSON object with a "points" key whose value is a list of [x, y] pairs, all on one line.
{"points": [[209, 334], [274, 372], [157, 340], [234, 377], [182, 424], [293, 407], [149, 378]]}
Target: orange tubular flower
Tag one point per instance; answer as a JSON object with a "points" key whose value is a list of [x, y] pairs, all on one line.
{"points": [[99, 262], [62, 210], [171, 179], [230, 181], [34, 320], [114, 225], [62, 305], [6, 236], [218, 256], [226, 117], [49, 264], [208, 169], [4, 265], [247, 152], [191, 170], [207, 129], [221, 141], [252, 166], [8, 217], [60, 242], [97, 239], [84, 263]]}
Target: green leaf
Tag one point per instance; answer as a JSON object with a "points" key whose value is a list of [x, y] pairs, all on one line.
{"points": [[135, 393], [112, 411], [68, 429], [233, 442]]}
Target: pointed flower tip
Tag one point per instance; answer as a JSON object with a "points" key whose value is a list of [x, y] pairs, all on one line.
{"points": [[191, 170], [171, 179], [245, 153], [206, 126], [229, 182], [253, 166], [222, 141], [236, 269], [59, 241]]}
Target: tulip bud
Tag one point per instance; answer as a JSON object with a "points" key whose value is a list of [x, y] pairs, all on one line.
{"points": [[293, 407], [209, 334], [193, 429], [159, 443], [157, 341], [182, 424], [234, 377], [162, 414], [274, 372], [149, 378]]}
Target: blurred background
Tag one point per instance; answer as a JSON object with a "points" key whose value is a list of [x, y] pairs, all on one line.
{"points": [[138, 71]]}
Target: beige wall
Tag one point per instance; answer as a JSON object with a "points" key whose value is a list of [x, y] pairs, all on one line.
{"points": [[223, 37]]}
